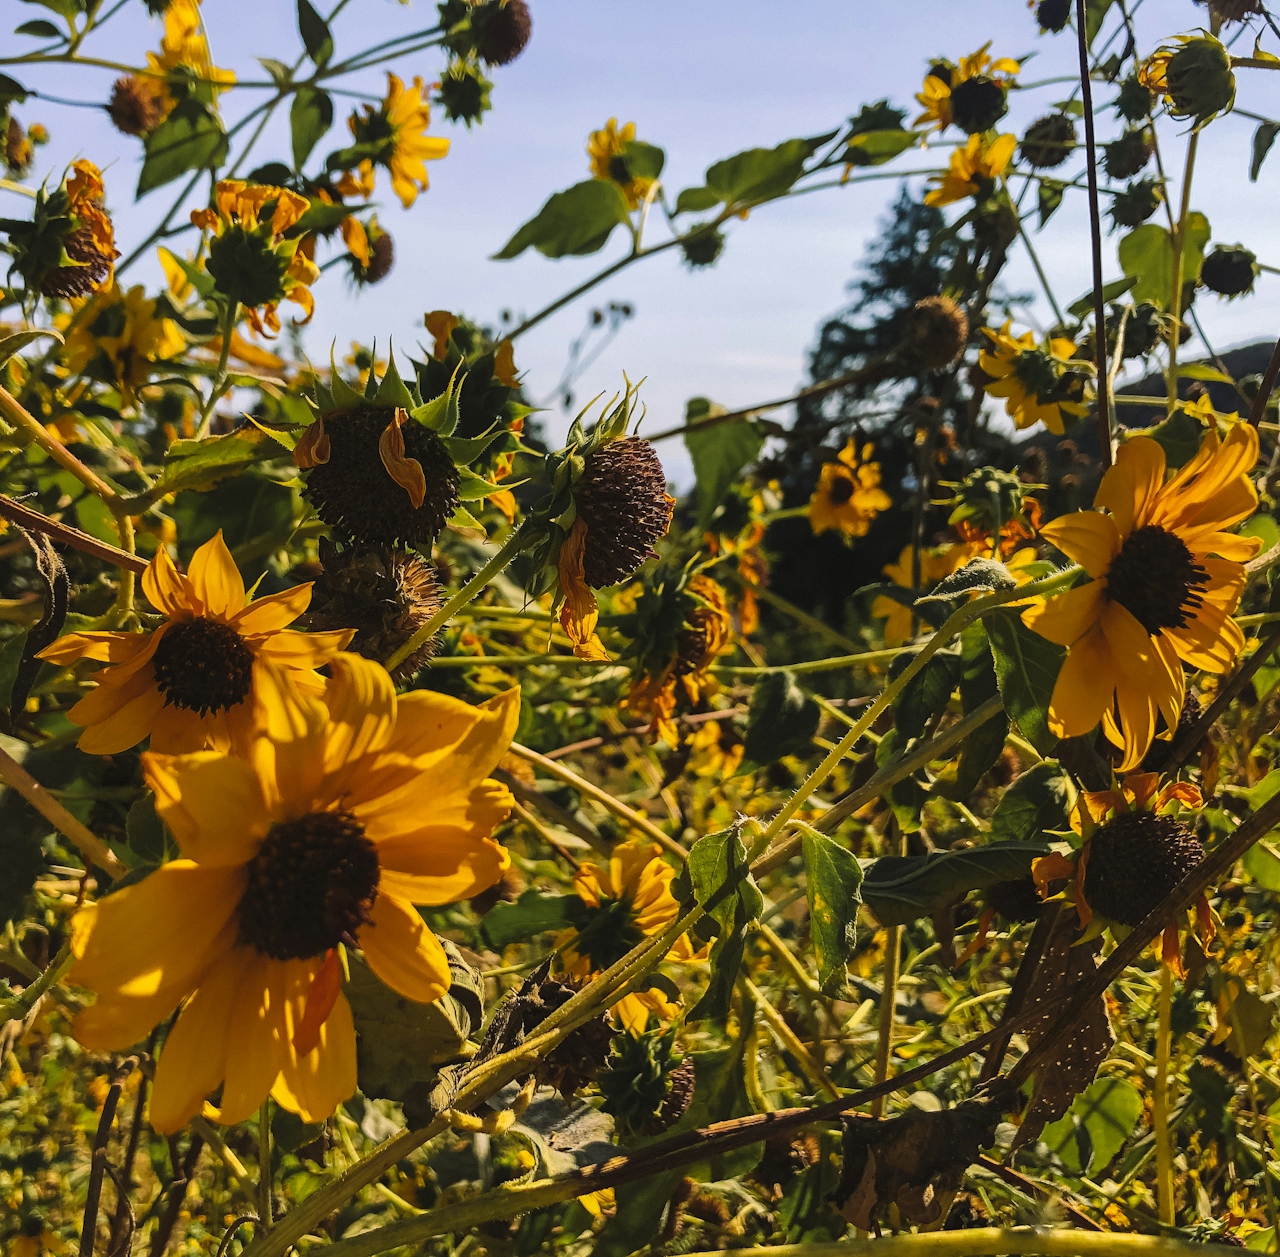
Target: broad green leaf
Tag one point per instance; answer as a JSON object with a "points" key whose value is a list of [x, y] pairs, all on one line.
{"points": [[40, 29], [977, 684], [1263, 138], [928, 691], [1179, 436], [1094, 13], [899, 889], [1262, 863], [1094, 1128], [572, 223], [316, 37], [979, 575], [874, 148], [190, 138], [1146, 253], [1027, 666], [1049, 198], [758, 174], [197, 276], [644, 161], [1035, 803], [1082, 306], [1251, 1018], [719, 454], [833, 883], [1203, 371], [12, 344], [781, 721], [94, 516], [145, 832], [535, 912], [201, 464], [310, 117]]}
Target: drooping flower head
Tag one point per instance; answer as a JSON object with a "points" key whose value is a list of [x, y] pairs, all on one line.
{"points": [[988, 503], [626, 901], [1039, 382], [1137, 846], [394, 137], [250, 258], [1193, 76], [191, 683], [345, 814], [973, 170], [1166, 578], [608, 149], [992, 80], [848, 495]]}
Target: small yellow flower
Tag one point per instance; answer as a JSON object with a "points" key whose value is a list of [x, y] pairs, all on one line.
{"points": [[973, 169], [394, 137], [351, 808], [184, 45], [191, 684], [607, 149], [848, 495], [935, 563], [935, 94], [628, 900], [1040, 383]]}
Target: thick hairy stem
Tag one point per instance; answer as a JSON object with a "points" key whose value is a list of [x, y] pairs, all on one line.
{"points": [[18, 414], [65, 535]]}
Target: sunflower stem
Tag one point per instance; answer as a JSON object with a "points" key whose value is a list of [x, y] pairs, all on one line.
{"points": [[1160, 1101], [264, 1163], [1175, 295], [888, 997], [467, 594], [219, 385]]}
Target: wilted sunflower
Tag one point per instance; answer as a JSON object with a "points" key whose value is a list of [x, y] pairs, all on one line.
{"points": [[848, 495], [345, 815], [973, 169], [1040, 383], [123, 332], [943, 79], [1136, 849], [394, 137], [190, 684], [628, 901], [249, 258], [607, 149], [1166, 578]]}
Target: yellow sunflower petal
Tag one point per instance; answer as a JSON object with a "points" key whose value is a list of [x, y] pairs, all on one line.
{"points": [[274, 612], [315, 1083], [439, 864], [117, 648], [212, 802], [1129, 487], [215, 579], [131, 720], [403, 952], [257, 1029], [289, 648], [1088, 537], [580, 614], [166, 588], [1084, 687], [1067, 617]]}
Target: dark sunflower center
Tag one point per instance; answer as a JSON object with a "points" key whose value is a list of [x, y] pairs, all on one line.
{"points": [[311, 886], [841, 490], [606, 933], [1156, 579], [1036, 371], [203, 665], [1135, 860]]}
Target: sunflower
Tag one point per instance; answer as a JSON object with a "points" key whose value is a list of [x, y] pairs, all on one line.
{"points": [[848, 495], [394, 137], [935, 563], [123, 331], [625, 902], [183, 47], [973, 170], [1040, 383], [1136, 848], [249, 258], [1166, 578], [943, 79], [319, 839], [607, 149], [190, 684]]}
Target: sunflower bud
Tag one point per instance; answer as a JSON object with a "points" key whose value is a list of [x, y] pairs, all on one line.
{"points": [[1053, 15], [1049, 141], [1196, 77], [1228, 11], [464, 92], [377, 476], [505, 31], [1229, 270], [1125, 157], [703, 246], [1137, 202], [1134, 861], [978, 104], [132, 109], [385, 595], [1134, 101], [936, 332], [647, 1086], [622, 498]]}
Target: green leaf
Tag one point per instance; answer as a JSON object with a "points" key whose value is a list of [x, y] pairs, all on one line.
{"points": [[719, 878], [644, 161], [833, 884], [1094, 13], [401, 1040], [874, 148], [695, 200], [719, 454], [535, 912], [1179, 436], [977, 684], [1202, 371], [1116, 288], [202, 464], [1263, 138], [12, 344], [572, 223], [781, 721], [900, 889], [11, 90], [1094, 1128], [145, 832], [316, 37], [310, 117], [979, 575], [927, 692], [747, 178], [1049, 197], [1027, 666], [199, 278], [190, 138], [1262, 863], [1146, 253], [1035, 803], [40, 29], [11, 654]]}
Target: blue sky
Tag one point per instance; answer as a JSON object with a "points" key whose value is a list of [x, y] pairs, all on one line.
{"points": [[703, 79]]}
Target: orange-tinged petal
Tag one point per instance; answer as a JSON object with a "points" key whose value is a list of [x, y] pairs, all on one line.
{"points": [[1065, 618], [313, 448], [406, 472], [212, 802], [403, 952], [215, 579], [313, 1084], [580, 614], [440, 323], [356, 238], [117, 648], [1049, 868], [322, 994], [1088, 537]]}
